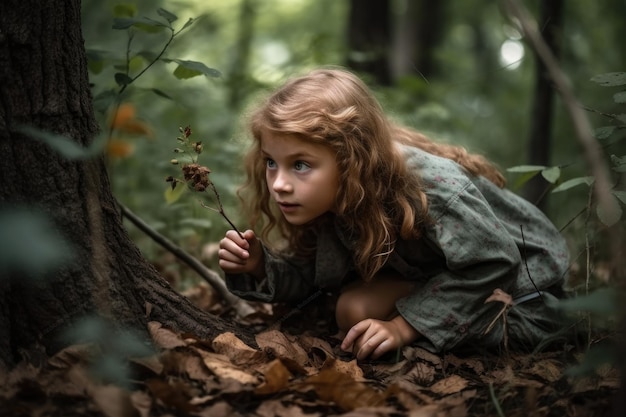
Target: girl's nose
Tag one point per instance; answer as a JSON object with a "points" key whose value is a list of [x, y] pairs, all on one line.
{"points": [[281, 183]]}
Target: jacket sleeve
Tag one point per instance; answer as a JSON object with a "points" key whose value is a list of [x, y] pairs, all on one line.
{"points": [[480, 256], [286, 280]]}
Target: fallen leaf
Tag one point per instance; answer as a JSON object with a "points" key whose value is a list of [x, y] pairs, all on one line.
{"points": [[548, 370], [421, 374], [276, 378], [449, 385], [221, 366], [350, 369], [174, 394], [142, 402], [189, 363], [237, 351], [412, 353], [275, 408], [163, 337], [282, 346], [331, 385], [113, 401], [220, 409]]}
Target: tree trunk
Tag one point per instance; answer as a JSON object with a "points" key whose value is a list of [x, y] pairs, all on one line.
{"points": [[44, 83], [418, 29], [542, 113], [238, 82], [369, 38]]}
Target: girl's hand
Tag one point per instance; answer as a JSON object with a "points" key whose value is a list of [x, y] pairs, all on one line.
{"points": [[375, 337], [238, 256]]}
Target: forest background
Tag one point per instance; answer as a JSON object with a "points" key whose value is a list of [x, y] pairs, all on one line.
{"points": [[459, 72]]}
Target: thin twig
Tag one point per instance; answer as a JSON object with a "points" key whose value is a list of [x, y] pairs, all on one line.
{"points": [[210, 276], [588, 263], [581, 123], [524, 257], [221, 209], [494, 400]]}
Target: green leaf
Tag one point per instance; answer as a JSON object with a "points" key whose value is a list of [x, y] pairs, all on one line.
{"points": [[611, 213], [621, 196], [171, 196], [551, 174], [95, 67], [122, 23], [68, 148], [604, 132], [122, 79], [610, 79], [96, 60], [621, 118], [135, 64], [527, 168], [170, 17], [523, 179], [124, 10], [189, 69], [188, 23], [620, 97], [148, 55], [602, 301], [566, 185], [619, 163], [143, 23], [161, 93], [151, 26], [30, 244], [595, 357]]}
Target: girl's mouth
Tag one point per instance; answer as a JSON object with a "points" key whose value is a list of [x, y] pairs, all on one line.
{"points": [[287, 207]]}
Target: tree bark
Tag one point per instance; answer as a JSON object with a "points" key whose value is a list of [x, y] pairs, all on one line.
{"points": [[44, 83], [369, 38], [543, 109], [418, 29]]}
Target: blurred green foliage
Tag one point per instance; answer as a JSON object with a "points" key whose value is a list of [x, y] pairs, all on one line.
{"points": [[479, 98]]}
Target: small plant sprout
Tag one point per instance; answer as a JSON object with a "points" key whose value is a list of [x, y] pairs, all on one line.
{"points": [[195, 176]]}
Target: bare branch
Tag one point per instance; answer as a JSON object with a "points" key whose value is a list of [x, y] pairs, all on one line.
{"points": [[210, 276], [582, 126]]}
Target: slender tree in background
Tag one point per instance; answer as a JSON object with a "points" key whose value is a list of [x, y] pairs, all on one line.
{"points": [[541, 119], [44, 84], [418, 28], [369, 38], [238, 81]]}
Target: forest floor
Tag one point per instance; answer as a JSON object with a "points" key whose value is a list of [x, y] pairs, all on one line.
{"points": [[298, 370]]}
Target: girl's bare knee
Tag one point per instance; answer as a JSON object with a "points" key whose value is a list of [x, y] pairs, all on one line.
{"points": [[370, 301], [349, 311]]}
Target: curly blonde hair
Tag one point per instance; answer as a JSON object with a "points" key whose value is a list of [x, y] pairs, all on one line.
{"points": [[378, 200]]}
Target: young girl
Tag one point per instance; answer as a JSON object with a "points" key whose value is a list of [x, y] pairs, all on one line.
{"points": [[416, 237]]}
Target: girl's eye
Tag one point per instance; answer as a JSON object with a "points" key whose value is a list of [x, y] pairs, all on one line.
{"points": [[301, 166], [269, 163]]}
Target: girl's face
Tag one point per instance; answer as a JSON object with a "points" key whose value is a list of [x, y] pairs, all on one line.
{"points": [[302, 177]]}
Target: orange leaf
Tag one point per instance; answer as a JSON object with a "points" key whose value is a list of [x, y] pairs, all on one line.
{"points": [[135, 127], [119, 148], [449, 385], [237, 351], [331, 385], [125, 112], [276, 378]]}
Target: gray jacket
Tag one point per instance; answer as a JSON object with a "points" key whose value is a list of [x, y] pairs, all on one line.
{"points": [[483, 238]]}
